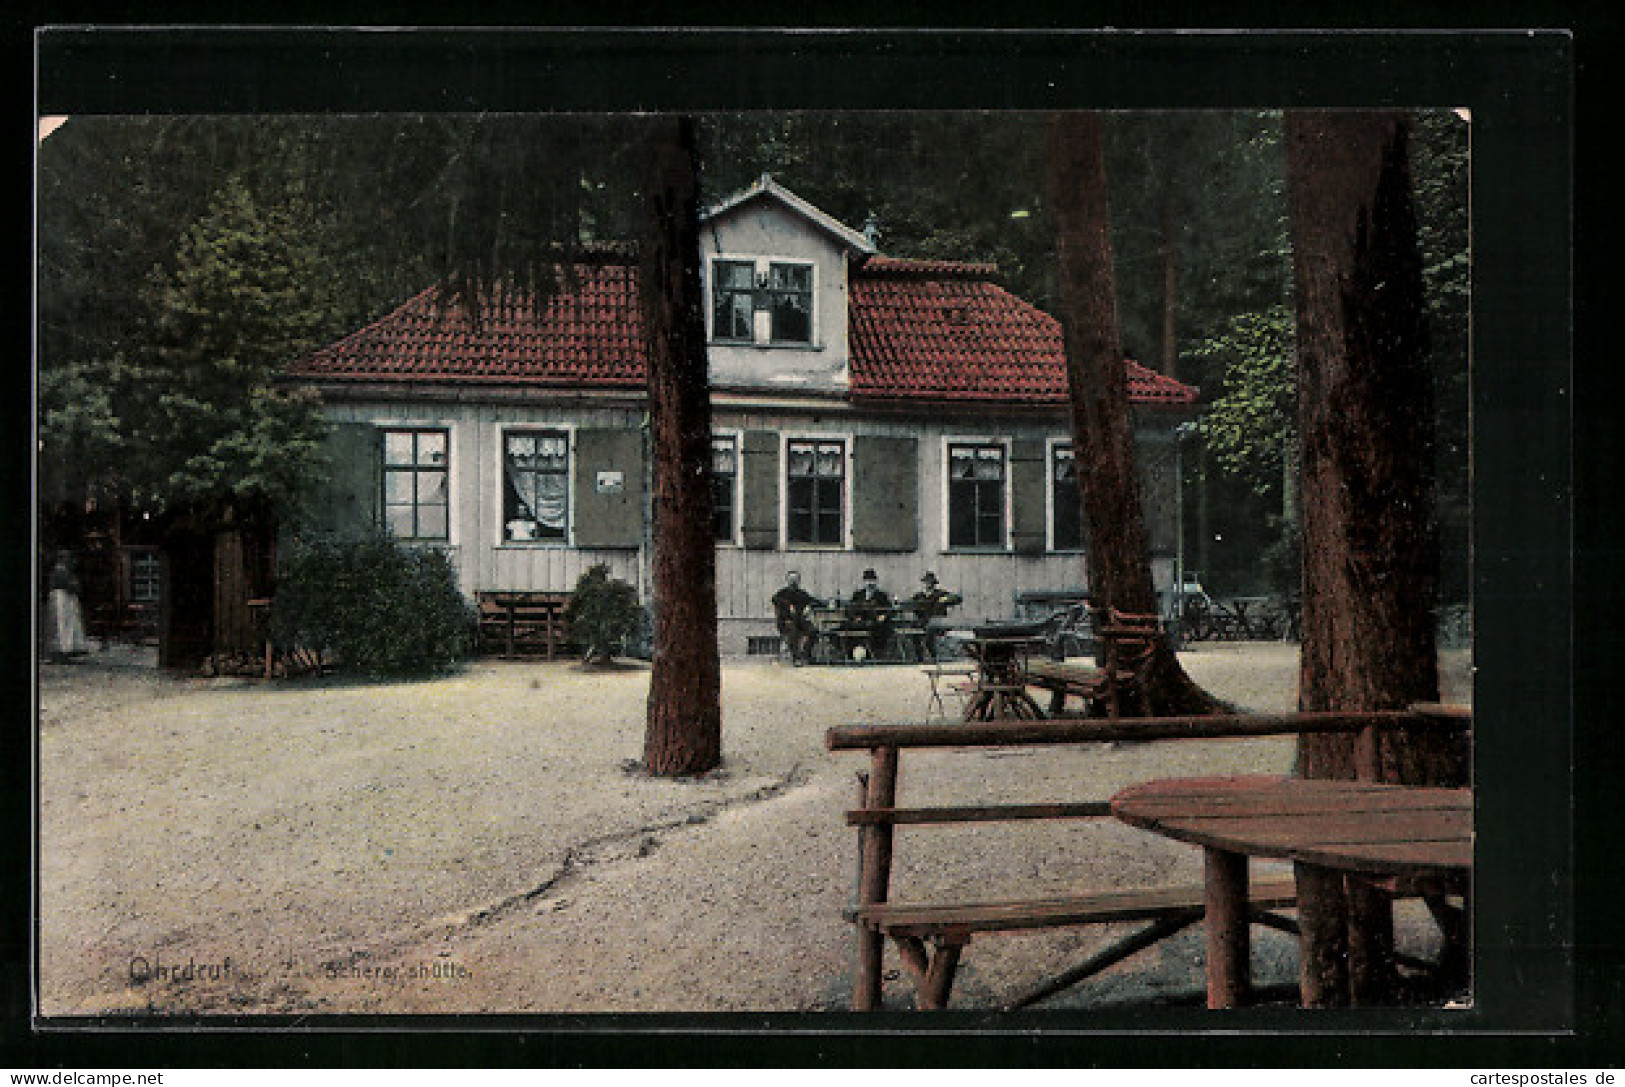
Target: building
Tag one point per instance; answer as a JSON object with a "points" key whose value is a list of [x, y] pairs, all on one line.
{"points": [[868, 412]]}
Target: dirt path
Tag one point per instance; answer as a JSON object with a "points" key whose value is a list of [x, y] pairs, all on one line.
{"points": [[480, 844]]}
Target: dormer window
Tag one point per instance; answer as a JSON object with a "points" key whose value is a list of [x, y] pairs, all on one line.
{"points": [[761, 301]]}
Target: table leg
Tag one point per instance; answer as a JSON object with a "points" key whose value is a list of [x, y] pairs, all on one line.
{"points": [[875, 879], [1229, 980], [1323, 970]]}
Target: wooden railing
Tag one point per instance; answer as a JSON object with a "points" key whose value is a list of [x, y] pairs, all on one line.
{"points": [[951, 925]]}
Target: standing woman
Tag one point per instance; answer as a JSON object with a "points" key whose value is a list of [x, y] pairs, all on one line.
{"points": [[65, 624]]}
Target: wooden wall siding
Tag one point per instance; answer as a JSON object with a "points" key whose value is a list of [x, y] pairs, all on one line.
{"points": [[748, 575]]}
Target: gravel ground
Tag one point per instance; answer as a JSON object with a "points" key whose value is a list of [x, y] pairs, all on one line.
{"points": [[482, 843]]}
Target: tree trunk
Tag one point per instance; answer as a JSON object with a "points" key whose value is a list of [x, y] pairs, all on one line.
{"points": [[684, 730], [1370, 556], [1119, 562]]}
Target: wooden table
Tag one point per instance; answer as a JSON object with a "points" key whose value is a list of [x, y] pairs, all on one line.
{"points": [[1330, 830], [1001, 678]]}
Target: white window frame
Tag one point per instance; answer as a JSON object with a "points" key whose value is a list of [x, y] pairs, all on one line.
{"points": [[761, 333], [440, 426], [737, 437], [785, 441], [947, 442], [501, 482], [1050, 447]]}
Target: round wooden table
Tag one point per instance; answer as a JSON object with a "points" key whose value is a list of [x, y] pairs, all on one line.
{"points": [[1001, 682], [1330, 830]]}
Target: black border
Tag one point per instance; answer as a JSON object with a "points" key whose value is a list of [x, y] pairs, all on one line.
{"points": [[1520, 86]]}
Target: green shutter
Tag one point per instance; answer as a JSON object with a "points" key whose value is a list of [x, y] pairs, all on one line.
{"points": [[1028, 477], [885, 493], [759, 513], [346, 504], [608, 490]]}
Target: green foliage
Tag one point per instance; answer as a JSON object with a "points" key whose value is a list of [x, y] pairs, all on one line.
{"points": [[602, 614], [1251, 427], [213, 425], [376, 606]]}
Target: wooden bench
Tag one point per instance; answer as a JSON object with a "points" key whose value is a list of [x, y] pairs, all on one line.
{"points": [[1127, 645], [515, 625], [929, 937]]}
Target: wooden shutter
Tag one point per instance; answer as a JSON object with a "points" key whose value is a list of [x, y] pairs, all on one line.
{"points": [[608, 490], [1028, 478], [759, 508], [347, 502], [885, 493]]}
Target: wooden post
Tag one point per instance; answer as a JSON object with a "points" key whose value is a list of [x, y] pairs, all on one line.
{"points": [[1368, 753], [876, 878], [1323, 977], [1229, 979], [939, 980]]}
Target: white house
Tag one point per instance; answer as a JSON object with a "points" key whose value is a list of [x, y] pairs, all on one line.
{"points": [[868, 412]]}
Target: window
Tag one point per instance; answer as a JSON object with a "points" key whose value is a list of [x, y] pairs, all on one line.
{"points": [[1065, 500], [415, 493], [724, 480], [790, 298], [975, 495], [145, 577], [817, 478], [781, 289], [536, 491], [733, 300]]}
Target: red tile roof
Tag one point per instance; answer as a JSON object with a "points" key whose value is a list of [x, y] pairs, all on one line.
{"points": [[935, 330], [920, 330], [585, 333]]}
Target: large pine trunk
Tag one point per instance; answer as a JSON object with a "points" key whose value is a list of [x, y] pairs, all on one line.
{"points": [[1370, 555], [684, 729], [1119, 562]]}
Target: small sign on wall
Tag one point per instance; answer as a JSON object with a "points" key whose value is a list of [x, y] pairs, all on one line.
{"points": [[611, 482]]}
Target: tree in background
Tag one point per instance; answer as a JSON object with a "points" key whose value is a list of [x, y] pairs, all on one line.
{"points": [[1366, 454], [684, 729], [1119, 560]]}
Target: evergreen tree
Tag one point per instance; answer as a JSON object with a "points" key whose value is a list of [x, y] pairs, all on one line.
{"points": [[211, 430]]}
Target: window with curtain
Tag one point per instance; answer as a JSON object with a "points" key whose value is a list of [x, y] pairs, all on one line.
{"points": [[975, 495], [724, 486], [816, 476], [416, 498], [536, 491]]}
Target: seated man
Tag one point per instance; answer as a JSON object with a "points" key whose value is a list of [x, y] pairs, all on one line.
{"points": [[870, 610], [932, 602], [790, 606]]}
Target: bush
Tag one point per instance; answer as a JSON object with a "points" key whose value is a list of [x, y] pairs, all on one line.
{"points": [[374, 605], [602, 614]]}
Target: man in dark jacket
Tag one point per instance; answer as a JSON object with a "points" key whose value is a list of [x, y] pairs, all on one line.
{"points": [[790, 606], [870, 610]]}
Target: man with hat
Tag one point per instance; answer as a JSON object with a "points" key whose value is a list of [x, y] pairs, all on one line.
{"points": [[932, 603], [870, 610]]}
